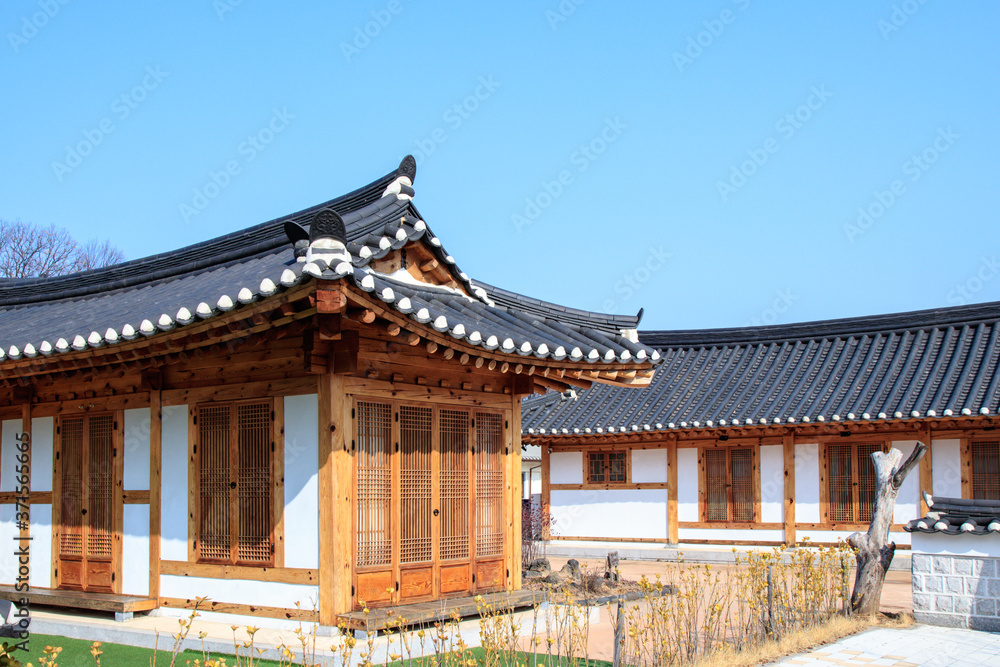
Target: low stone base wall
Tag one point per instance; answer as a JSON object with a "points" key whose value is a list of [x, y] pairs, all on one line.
{"points": [[957, 591]]}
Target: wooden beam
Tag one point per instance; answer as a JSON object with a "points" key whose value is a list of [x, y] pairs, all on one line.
{"points": [[328, 425], [329, 326], [788, 449], [330, 297], [155, 491], [672, 514], [546, 494], [344, 359], [926, 471]]}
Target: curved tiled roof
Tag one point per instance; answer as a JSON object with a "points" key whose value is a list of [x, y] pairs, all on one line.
{"points": [[932, 363], [159, 293], [957, 516]]}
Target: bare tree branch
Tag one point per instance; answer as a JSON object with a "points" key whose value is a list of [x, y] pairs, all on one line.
{"points": [[28, 251]]}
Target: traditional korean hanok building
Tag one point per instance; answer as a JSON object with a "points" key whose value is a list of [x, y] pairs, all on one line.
{"points": [[763, 436], [322, 408]]}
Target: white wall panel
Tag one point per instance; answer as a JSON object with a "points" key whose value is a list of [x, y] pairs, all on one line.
{"points": [[610, 513], [946, 468], [772, 484], [302, 481], [649, 466], [135, 550], [908, 500], [173, 518], [137, 425], [807, 483], [239, 591], [566, 468], [43, 431], [41, 544], [687, 485], [10, 429], [730, 534]]}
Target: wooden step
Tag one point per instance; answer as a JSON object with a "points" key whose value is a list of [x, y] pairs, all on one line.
{"points": [[425, 613], [120, 604]]}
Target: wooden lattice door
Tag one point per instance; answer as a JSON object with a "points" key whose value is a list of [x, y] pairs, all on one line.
{"points": [[430, 517], [88, 526]]}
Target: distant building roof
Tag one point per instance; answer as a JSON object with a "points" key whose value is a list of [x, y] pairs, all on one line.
{"points": [[958, 516], [930, 363]]}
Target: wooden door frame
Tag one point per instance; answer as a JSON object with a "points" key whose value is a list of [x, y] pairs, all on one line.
{"points": [[117, 496]]}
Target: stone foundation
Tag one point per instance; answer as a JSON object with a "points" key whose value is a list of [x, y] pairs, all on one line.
{"points": [[957, 591]]}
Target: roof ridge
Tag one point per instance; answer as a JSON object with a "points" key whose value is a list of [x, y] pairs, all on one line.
{"points": [[834, 328], [216, 251]]}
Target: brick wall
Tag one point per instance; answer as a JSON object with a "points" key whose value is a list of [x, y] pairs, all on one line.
{"points": [[957, 591]]}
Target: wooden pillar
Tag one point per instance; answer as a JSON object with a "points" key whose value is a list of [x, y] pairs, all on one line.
{"points": [[788, 447], [516, 492], [155, 489], [672, 526], [966, 468], [25, 530], [546, 499], [926, 471], [335, 525]]}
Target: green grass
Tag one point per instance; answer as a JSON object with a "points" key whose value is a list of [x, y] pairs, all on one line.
{"points": [[76, 653]]}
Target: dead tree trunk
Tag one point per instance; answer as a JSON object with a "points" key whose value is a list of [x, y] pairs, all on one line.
{"points": [[875, 551]]}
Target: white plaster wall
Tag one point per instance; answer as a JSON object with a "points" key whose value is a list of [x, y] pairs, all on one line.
{"points": [[610, 513], [649, 466], [135, 550], [41, 545], [43, 431], [946, 467], [302, 481], [8, 533], [239, 591], [687, 484], [807, 483], [566, 468], [908, 500], [983, 546], [137, 449], [9, 431], [730, 534], [772, 484], [174, 476]]}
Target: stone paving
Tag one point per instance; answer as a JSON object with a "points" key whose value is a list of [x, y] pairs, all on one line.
{"points": [[907, 647]]}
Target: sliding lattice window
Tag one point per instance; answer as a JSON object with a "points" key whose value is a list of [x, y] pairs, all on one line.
{"points": [[985, 469], [374, 481], [851, 481], [607, 468], [729, 484], [489, 484], [234, 464]]}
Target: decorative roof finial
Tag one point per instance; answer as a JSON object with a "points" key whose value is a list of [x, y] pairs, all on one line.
{"points": [[327, 224], [408, 168]]}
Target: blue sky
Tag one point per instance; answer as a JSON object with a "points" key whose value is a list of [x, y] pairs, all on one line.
{"points": [[719, 164]]}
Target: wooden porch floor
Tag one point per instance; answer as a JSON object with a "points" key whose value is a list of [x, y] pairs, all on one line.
{"points": [[427, 613], [119, 604]]}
